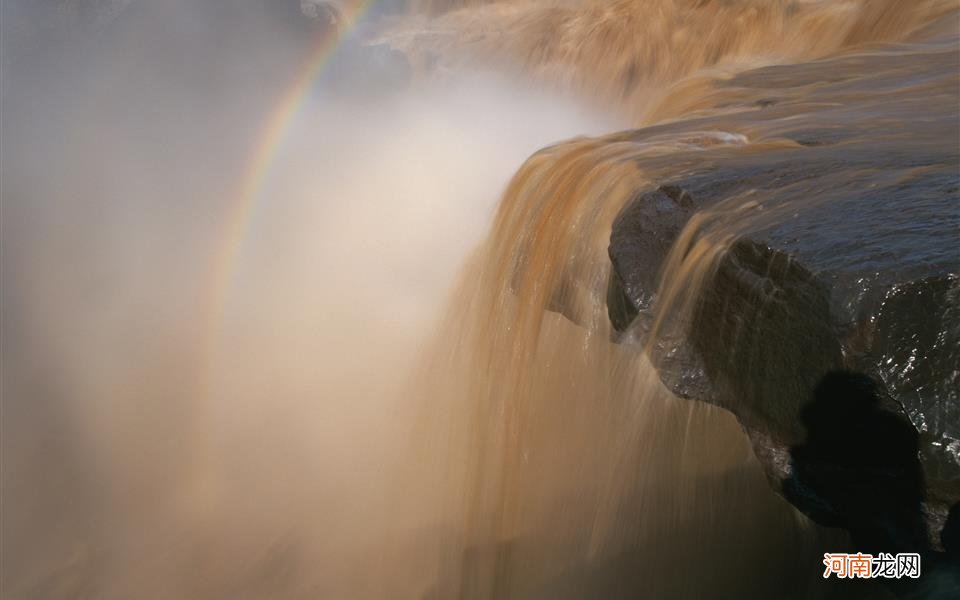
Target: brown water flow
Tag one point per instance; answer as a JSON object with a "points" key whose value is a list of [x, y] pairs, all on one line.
{"points": [[631, 54], [573, 469]]}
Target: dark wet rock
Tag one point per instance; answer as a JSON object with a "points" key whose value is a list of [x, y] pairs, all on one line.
{"points": [[764, 316], [874, 291], [847, 257], [858, 467], [918, 361], [643, 234]]}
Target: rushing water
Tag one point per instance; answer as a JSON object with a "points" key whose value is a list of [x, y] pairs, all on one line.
{"points": [[408, 383]]}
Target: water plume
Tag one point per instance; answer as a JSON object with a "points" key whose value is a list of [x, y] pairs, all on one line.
{"points": [[140, 457]]}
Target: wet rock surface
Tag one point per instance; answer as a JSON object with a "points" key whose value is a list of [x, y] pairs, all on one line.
{"points": [[842, 255]]}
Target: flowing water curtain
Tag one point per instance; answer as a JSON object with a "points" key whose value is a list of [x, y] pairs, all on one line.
{"points": [[559, 432]]}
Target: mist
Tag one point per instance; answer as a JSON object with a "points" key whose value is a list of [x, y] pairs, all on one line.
{"points": [[152, 448]]}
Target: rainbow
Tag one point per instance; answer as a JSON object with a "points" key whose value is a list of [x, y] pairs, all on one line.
{"points": [[200, 487], [272, 134]]}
